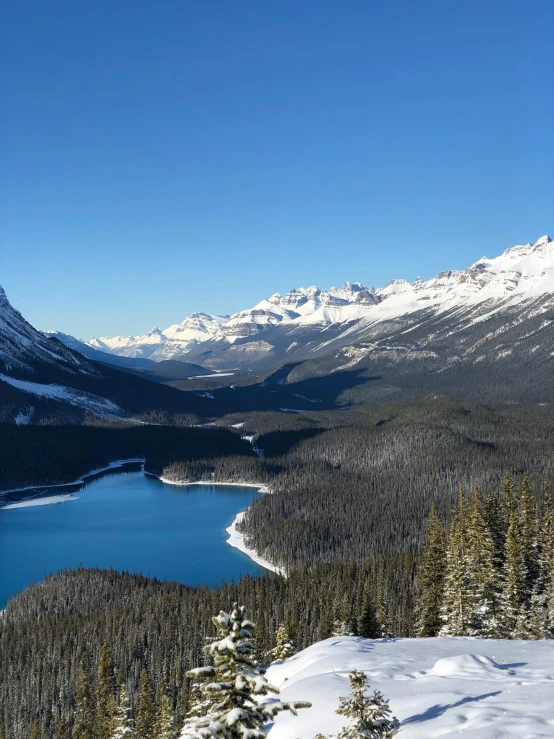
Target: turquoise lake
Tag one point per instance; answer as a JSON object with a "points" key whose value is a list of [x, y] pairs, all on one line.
{"points": [[127, 521]]}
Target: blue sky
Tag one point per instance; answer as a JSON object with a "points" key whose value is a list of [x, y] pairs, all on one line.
{"points": [[161, 158]]}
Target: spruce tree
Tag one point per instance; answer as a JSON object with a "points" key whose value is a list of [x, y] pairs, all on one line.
{"points": [[507, 501], [455, 610], [145, 724], [483, 580], [383, 612], [368, 623], [285, 646], [370, 718], [165, 723], [106, 706], [528, 533], [121, 723], [430, 579], [227, 703], [512, 596], [541, 625], [84, 725]]}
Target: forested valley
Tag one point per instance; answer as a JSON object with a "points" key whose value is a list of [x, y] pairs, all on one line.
{"points": [[366, 517]]}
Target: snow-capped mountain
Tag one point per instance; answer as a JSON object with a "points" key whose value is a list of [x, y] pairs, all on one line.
{"points": [[44, 375], [156, 344], [22, 346], [97, 354], [521, 274]]}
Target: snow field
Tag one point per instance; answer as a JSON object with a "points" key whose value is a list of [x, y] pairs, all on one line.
{"points": [[462, 687]]}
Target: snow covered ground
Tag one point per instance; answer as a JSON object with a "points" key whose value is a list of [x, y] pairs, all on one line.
{"points": [[79, 398], [463, 687]]}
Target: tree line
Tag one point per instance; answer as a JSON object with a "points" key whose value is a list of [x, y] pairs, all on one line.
{"points": [[493, 574]]}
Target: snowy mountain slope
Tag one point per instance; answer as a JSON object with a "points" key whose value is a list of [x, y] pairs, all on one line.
{"points": [[40, 377], [463, 687], [96, 354], [314, 320], [21, 345], [156, 344]]}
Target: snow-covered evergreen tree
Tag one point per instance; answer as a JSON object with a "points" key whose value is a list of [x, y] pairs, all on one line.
{"points": [[106, 707], [227, 704], [164, 723], [342, 628], [84, 725], [121, 725], [430, 580], [541, 620], [455, 610], [145, 725], [483, 579], [528, 525], [512, 606], [368, 623], [285, 647], [370, 717]]}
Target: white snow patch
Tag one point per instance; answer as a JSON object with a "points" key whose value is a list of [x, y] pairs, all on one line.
{"points": [[448, 687], [88, 401], [236, 539], [31, 502], [24, 419]]}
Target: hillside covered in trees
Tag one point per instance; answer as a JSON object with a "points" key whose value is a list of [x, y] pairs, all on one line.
{"points": [[492, 575]]}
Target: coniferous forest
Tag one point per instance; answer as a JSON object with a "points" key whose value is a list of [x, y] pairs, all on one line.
{"points": [[393, 520], [87, 639]]}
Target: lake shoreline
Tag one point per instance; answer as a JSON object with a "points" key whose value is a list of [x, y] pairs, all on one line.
{"points": [[235, 539], [80, 481]]}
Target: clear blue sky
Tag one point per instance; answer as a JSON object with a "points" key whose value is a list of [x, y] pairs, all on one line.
{"points": [[165, 157]]}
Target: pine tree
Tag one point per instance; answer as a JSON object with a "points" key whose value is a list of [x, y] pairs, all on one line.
{"points": [[483, 582], [106, 706], [285, 646], [511, 605], [541, 624], [383, 612], [528, 534], [370, 718], [455, 611], [121, 724], [430, 580], [145, 724], [227, 703], [507, 501], [165, 723], [368, 623], [84, 726]]}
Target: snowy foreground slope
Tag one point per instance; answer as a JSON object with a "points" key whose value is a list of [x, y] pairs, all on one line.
{"points": [[479, 688]]}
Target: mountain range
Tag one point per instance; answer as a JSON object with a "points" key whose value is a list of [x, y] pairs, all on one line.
{"points": [[483, 333], [309, 322]]}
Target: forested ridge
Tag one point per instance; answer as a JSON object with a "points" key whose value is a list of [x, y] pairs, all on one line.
{"points": [[350, 484], [51, 629], [47, 455]]}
